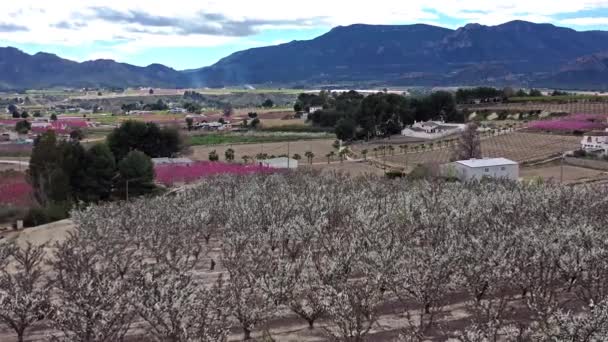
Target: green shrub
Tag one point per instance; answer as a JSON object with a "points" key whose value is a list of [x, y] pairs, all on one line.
{"points": [[394, 174], [35, 217], [11, 214]]}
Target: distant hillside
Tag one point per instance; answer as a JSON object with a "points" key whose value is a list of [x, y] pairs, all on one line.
{"points": [[514, 53], [584, 72], [19, 70]]}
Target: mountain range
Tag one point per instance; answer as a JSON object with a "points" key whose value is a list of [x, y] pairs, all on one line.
{"points": [[516, 53]]}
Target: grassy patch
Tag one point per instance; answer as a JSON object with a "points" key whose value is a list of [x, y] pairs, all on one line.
{"points": [[223, 139], [301, 128]]}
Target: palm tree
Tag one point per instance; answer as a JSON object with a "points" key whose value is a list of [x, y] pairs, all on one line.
{"points": [[229, 155], [375, 152], [405, 148], [342, 154], [246, 159], [422, 147], [431, 145], [310, 156], [297, 157], [364, 154], [391, 150], [329, 156]]}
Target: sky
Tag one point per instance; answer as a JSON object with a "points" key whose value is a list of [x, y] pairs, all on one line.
{"points": [[188, 34]]}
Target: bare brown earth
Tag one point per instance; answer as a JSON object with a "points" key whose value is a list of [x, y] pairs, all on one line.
{"points": [[519, 146], [571, 174], [576, 107], [319, 147]]}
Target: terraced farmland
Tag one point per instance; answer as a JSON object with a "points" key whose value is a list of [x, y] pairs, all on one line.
{"points": [[519, 146]]}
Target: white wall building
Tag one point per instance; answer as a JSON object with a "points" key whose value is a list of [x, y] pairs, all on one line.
{"points": [[314, 109], [476, 169], [595, 141], [172, 161], [280, 163], [432, 129]]}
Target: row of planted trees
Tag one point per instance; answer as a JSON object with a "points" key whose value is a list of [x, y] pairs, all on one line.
{"points": [[493, 261]]}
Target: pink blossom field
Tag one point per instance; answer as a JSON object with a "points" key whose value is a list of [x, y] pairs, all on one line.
{"points": [[573, 122], [171, 174]]}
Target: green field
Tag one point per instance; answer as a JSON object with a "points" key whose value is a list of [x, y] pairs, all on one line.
{"points": [[225, 139]]}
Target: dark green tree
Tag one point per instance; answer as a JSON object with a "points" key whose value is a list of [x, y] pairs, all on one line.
{"points": [[25, 115], [229, 155], [268, 103], [190, 123], [148, 138], [23, 126], [53, 117], [213, 156], [298, 107], [76, 135], [99, 174], [43, 161], [345, 129], [135, 175]]}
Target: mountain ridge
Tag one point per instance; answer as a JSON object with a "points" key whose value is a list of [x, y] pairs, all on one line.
{"points": [[514, 53]]}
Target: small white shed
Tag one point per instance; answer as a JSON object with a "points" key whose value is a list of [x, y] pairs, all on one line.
{"points": [[476, 169], [280, 163]]}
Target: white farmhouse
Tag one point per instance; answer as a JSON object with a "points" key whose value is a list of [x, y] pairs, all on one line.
{"points": [[172, 161], [432, 129], [595, 141], [476, 169], [280, 163], [314, 109]]}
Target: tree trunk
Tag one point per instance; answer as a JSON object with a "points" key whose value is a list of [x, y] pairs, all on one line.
{"points": [[311, 324], [247, 334]]}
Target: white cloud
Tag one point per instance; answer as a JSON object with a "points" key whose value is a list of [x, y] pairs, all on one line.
{"points": [[589, 21], [134, 25]]}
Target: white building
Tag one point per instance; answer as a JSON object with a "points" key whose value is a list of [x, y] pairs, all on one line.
{"points": [[280, 163], [8, 135], [476, 169], [178, 111], [314, 109], [172, 161], [432, 129], [595, 141]]}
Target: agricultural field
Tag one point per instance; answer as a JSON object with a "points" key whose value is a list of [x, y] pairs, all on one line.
{"points": [[572, 123], [213, 139], [575, 107], [15, 150], [351, 260], [519, 146], [571, 174], [319, 147], [14, 189], [353, 169], [169, 175]]}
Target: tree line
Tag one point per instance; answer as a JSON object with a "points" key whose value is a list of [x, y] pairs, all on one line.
{"points": [[65, 174], [355, 116], [516, 262]]}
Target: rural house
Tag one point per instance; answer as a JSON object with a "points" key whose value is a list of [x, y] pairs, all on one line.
{"points": [[476, 169], [596, 141], [314, 109], [432, 129], [280, 163]]}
